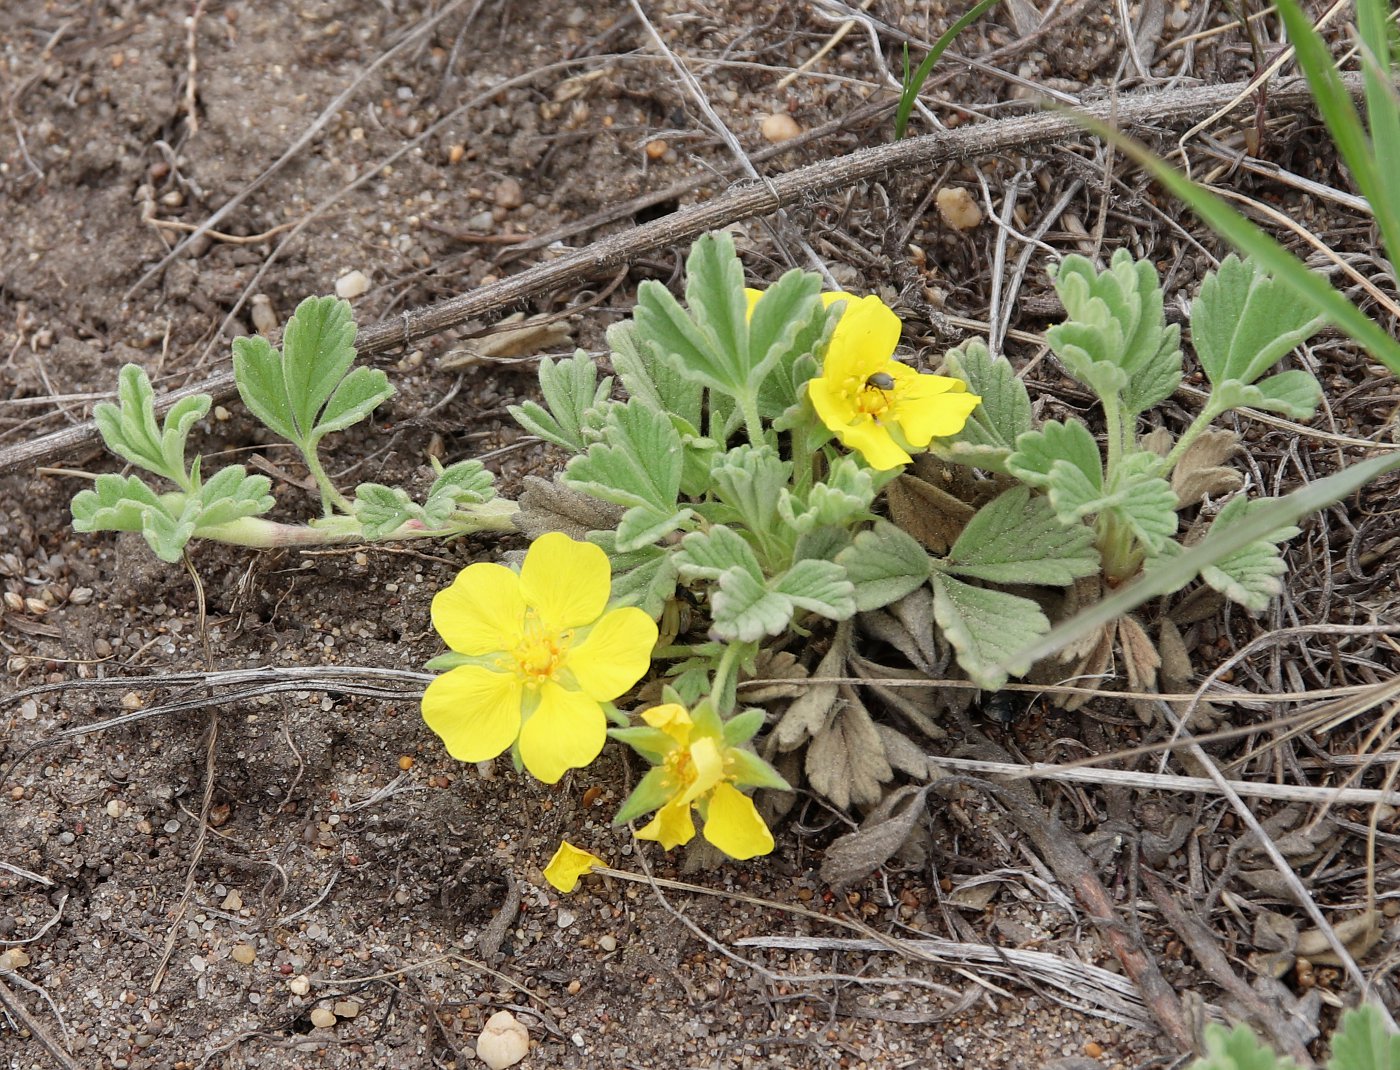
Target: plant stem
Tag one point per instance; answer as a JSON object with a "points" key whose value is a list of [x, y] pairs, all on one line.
{"points": [[331, 498], [726, 678], [1199, 424], [496, 515]]}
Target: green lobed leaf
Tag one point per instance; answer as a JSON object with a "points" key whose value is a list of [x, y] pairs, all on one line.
{"points": [[132, 432], [570, 388], [1243, 320], [1063, 459], [381, 509], [884, 564], [819, 587], [257, 369], [677, 340], [466, 482], [639, 463], [167, 533], [990, 434], [1144, 502], [317, 351], [1296, 394], [645, 578], [1238, 1049], [1017, 538], [987, 628], [750, 480], [1364, 1043], [1249, 575], [788, 323], [115, 503], [231, 494], [651, 379], [708, 555], [745, 609], [844, 496], [642, 526], [1266, 518], [358, 395], [714, 293]]}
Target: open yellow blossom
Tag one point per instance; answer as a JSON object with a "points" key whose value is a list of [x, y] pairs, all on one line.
{"points": [[569, 864], [871, 402], [699, 768], [536, 655]]}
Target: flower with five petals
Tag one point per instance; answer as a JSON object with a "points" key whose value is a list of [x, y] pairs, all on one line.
{"points": [[699, 764], [535, 655]]}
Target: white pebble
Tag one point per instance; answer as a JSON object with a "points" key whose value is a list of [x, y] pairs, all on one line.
{"points": [[504, 1041], [300, 985], [352, 284], [780, 126], [565, 919]]}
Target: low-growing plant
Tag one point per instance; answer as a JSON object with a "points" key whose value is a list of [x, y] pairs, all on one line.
{"points": [[302, 393], [1362, 1043]]}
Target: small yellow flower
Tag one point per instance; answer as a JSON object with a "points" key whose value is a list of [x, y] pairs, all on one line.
{"points": [[871, 402], [697, 770], [539, 655], [569, 864]]}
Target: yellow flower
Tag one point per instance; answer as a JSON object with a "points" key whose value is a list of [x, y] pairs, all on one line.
{"points": [[871, 402], [697, 769], [536, 656], [568, 865]]}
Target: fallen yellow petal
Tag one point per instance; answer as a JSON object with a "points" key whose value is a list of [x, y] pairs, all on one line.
{"points": [[568, 865]]}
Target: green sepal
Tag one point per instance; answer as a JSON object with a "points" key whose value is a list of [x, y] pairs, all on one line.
{"points": [[651, 743], [751, 771], [651, 793], [742, 727], [449, 660]]}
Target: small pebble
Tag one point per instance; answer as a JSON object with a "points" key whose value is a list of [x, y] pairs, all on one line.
{"points": [[244, 953], [656, 148], [957, 208], [504, 1041], [780, 126], [608, 942], [508, 193], [14, 959], [29, 710], [300, 985], [346, 1008], [565, 919], [352, 284], [232, 901], [263, 315], [172, 826], [322, 1018], [455, 153]]}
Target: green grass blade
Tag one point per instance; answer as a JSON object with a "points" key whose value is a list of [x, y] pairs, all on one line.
{"points": [[1170, 576], [910, 90], [1342, 119], [1250, 240], [1382, 108]]}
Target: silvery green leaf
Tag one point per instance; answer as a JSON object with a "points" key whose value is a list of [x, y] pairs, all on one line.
{"points": [[789, 323], [1244, 320], [115, 503], [708, 555], [381, 509], [1364, 1042], [645, 578], [639, 463], [714, 293], [1063, 459], [745, 609], [750, 481], [1017, 538], [1249, 575], [884, 564], [666, 327], [819, 587], [651, 379], [1239, 1049], [642, 526], [1146, 503], [1296, 394], [990, 434], [821, 543], [1116, 339], [464, 482], [132, 432], [844, 495], [570, 388], [231, 494], [167, 532], [987, 628], [358, 395], [1156, 378]]}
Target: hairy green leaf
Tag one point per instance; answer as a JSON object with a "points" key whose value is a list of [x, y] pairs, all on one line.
{"points": [[645, 578], [788, 323], [232, 494], [1243, 320], [115, 503], [745, 609], [1238, 1049], [381, 509], [884, 564], [714, 293], [987, 628], [1063, 459], [318, 348], [464, 482], [707, 555], [570, 388], [642, 525], [819, 587], [1249, 575], [1296, 394], [990, 434], [638, 463], [132, 432], [1364, 1043], [649, 378], [1017, 538]]}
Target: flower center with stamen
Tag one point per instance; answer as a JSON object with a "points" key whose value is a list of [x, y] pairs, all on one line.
{"points": [[867, 400], [679, 767], [540, 653]]}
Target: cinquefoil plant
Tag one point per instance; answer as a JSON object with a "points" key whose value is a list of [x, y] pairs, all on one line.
{"points": [[303, 393]]}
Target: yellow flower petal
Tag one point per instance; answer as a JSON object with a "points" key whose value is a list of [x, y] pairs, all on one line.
{"points": [[928, 407], [565, 581], [864, 338], [568, 865], [706, 769], [873, 442], [482, 612], [671, 827], [732, 824], [474, 710], [751, 296], [673, 719], [615, 654], [566, 731]]}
